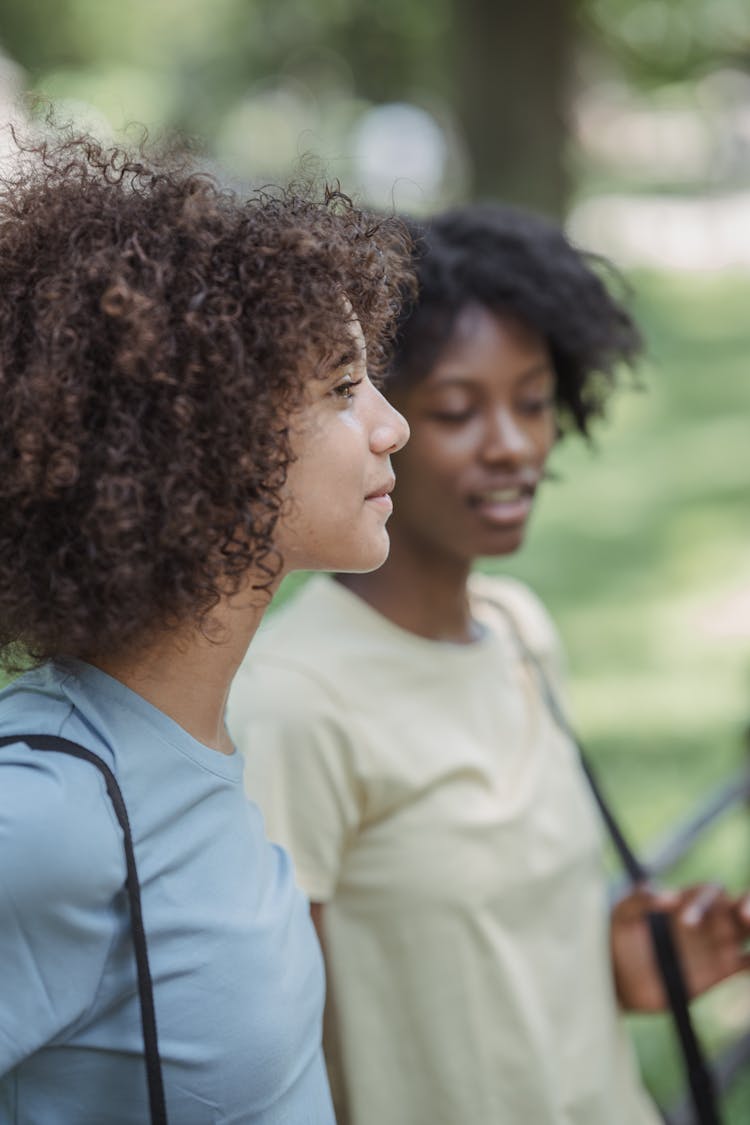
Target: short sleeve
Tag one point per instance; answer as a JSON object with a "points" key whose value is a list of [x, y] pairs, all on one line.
{"points": [[299, 767], [60, 868]]}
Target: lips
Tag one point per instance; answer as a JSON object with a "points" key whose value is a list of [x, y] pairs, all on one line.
{"points": [[502, 495], [382, 491], [504, 504]]}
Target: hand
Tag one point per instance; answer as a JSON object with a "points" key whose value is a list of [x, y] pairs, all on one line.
{"points": [[711, 931]]}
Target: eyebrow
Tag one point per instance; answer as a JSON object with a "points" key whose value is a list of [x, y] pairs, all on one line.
{"points": [[351, 355], [543, 367]]}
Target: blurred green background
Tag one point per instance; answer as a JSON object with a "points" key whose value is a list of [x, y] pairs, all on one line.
{"points": [[630, 121], [642, 552]]}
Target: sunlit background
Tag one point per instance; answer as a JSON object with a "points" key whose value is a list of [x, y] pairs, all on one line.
{"points": [[629, 117], [630, 121]]}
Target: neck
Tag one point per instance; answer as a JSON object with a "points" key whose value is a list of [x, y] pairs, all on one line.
{"points": [[421, 590], [187, 674]]}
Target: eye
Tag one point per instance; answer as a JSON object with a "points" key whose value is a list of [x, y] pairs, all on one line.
{"points": [[452, 417], [347, 387], [537, 405]]}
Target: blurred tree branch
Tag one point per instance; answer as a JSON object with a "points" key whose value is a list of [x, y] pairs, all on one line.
{"points": [[503, 68]]}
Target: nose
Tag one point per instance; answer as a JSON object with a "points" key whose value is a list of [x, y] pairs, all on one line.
{"points": [[506, 439], [390, 430]]}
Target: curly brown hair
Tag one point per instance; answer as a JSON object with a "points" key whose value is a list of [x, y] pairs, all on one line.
{"points": [[156, 332]]}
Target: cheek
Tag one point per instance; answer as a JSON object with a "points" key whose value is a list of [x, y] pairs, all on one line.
{"points": [[323, 467], [539, 434], [426, 487]]}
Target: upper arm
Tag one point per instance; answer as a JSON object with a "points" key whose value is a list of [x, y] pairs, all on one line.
{"points": [[60, 867]]}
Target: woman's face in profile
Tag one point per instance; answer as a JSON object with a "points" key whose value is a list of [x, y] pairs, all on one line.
{"points": [[337, 493], [483, 424]]}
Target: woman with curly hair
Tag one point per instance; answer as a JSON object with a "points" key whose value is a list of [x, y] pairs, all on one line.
{"points": [[398, 744], [186, 416]]}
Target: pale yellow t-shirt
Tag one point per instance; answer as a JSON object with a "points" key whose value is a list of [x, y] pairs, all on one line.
{"points": [[430, 802]]}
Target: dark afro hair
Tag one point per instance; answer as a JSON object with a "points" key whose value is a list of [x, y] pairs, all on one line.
{"points": [[517, 264], [156, 332]]}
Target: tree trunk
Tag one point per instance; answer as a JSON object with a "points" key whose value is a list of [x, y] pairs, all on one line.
{"points": [[512, 68]]}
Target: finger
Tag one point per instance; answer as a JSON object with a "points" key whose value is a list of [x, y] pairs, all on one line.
{"points": [[653, 897], [641, 898], [743, 911], [710, 937], [703, 901], [665, 899]]}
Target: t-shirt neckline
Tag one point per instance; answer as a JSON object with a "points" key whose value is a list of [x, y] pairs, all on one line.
{"points": [[101, 683]]}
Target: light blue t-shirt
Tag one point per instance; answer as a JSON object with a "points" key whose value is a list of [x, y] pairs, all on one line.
{"points": [[238, 976]]}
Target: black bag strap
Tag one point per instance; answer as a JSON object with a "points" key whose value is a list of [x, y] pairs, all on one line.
{"points": [[154, 1077], [697, 1069]]}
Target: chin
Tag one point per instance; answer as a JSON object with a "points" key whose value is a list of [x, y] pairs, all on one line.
{"points": [[365, 558], [505, 543]]}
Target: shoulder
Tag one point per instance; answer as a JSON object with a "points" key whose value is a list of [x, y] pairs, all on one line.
{"points": [[59, 838], [525, 607], [61, 866], [302, 688], [297, 664]]}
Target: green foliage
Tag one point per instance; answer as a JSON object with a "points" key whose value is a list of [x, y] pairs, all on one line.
{"points": [[664, 40], [224, 46], [194, 65]]}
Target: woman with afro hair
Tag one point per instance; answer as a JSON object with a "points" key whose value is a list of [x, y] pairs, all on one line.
{"points": [[186, 415], [401, 747]]}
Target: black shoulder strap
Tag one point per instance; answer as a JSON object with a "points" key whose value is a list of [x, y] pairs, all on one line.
{"points": [[697, 1070], [145, 989]]}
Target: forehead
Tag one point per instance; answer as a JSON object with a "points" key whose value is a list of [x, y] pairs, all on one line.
{"points": [[484, 341], [349, 348], [355, 331], [355, 346]]}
